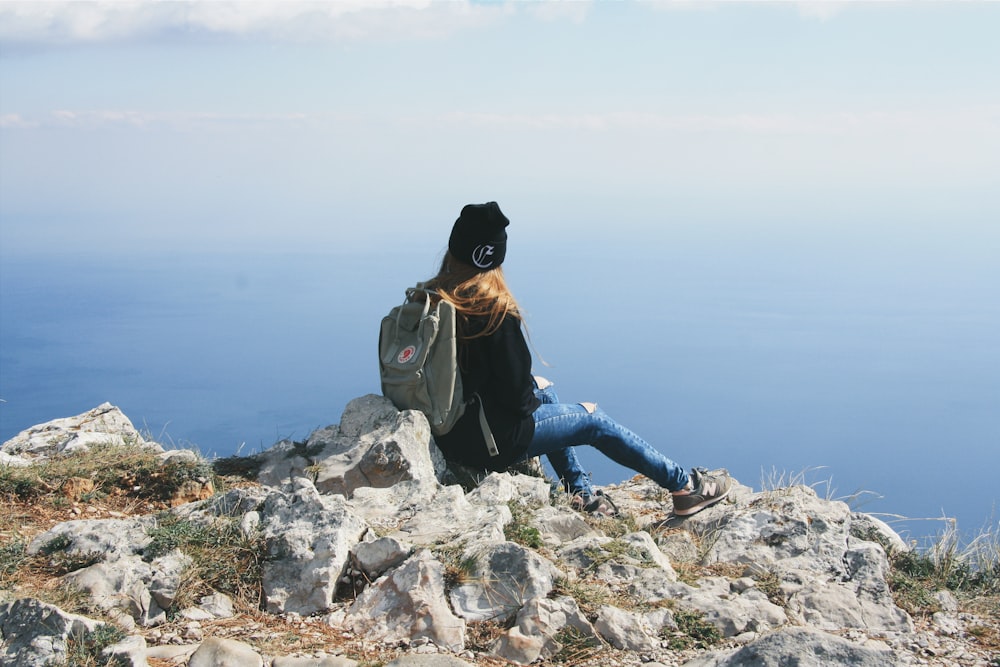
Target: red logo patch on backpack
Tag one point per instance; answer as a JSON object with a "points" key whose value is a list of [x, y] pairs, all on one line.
{"points": [[406, 354]]}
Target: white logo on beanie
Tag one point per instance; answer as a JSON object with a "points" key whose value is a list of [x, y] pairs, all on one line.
{"points": [[481, 256]]}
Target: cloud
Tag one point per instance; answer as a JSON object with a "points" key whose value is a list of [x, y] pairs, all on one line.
{"points": [[575, 12], [821, 10], [15, 121], [118, 118], [38, 24], [984, 120], [57, 23]]}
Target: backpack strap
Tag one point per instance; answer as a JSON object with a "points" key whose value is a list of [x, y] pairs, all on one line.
{"points": [[423, 317], [419, 288], [411, 292], [409, 299], [491, 443]]}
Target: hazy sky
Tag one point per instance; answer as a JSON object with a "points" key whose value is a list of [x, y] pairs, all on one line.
{"points": [[300, 125], [802, 198]]}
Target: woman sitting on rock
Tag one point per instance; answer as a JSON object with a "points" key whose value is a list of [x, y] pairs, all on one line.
{"points": [[524, 414]]}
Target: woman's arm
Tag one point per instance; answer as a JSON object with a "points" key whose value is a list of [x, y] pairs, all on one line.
{"points": [[510, 359]]}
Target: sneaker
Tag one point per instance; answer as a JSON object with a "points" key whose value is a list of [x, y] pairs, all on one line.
{"points": [[597, 504], [706, 491]]}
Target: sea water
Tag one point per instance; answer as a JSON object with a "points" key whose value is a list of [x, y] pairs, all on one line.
{"points": [[865, 375]]}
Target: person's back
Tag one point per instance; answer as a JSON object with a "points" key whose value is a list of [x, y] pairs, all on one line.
{"points": [[496, 368]]}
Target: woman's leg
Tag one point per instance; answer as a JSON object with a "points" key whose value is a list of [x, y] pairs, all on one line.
{"points": [[563, 459], [561, 426]]}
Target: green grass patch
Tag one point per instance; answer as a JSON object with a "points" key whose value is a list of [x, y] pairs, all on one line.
{"points": [[55, 559], [616, 550], [243, 467], [13, 556], [693, 631], [459, 570], [16, 483], [223, 559], [769, 583], [576, 647], [970, 570], [590, 596], [480, 635], [519, 529], [113, 468], [85, 650]]}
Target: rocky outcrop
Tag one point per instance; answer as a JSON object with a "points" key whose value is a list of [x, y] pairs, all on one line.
{"points": [[810, 648], [37, 634], [408, 603], [309, 538], [374, 446], [362, 532], [105, 424]]}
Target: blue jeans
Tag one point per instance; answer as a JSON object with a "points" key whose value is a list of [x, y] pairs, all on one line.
{"points": [[561, 426]]}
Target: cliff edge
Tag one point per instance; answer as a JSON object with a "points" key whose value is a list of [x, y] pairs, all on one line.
{"points": [[360, 546]]}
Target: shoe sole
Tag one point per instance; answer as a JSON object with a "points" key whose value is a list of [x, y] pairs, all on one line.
{"points": [[694, 509]]}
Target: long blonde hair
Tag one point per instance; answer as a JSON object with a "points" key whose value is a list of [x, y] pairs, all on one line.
{"points": [[475, 293]]}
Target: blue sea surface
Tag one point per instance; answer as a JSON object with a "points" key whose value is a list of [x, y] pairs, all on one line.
{"points": [[869, 374]]}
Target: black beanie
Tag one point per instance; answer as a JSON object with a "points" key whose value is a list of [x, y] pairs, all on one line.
{"points": [[478, 237]]}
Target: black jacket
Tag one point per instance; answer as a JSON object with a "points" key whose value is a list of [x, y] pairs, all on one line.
{"points": [[497, 368]]}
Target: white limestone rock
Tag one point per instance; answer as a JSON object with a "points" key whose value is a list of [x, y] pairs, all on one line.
{"points": [[130, 652], [309, 538], [374, 445], [35, 634], [803, 647], [13, 461], [408, 512], [535, 633], [381, 505], [560, 525], [832, 577], [870, 528], [322, 661], [790, 525], [618, 561], [105, 424], [376, 557], [210, 607], [499, 488], [408, 603], [218, 652], [626, 631], [113, 538], [120, 585], [506, 576], [427, 661], [731, 610]]}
